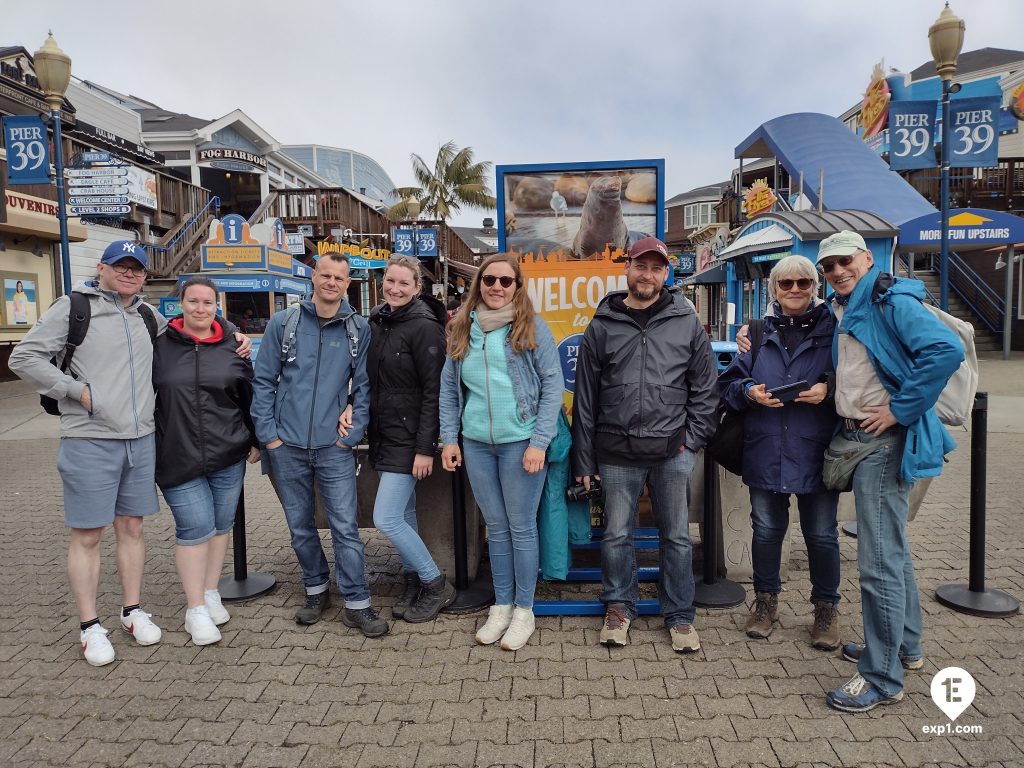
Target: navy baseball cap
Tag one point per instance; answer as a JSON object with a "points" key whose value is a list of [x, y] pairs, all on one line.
{"points": [[125, 249]]}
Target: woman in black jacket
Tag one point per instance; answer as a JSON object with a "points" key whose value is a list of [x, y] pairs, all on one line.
{"points": [[203, 437], [406, 355]]}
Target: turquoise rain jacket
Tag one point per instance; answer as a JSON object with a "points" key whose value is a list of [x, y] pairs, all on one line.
{"points": [[914, 355]]}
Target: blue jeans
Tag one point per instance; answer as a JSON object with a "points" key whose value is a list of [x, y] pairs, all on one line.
{"points": [[888, 588], [333, 469], [769, 516], [394, 514], [205, 507], [669, 487], [508, 497]]}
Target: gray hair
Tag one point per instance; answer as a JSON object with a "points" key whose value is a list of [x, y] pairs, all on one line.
{"points": [[413, 265], [800, 266]]}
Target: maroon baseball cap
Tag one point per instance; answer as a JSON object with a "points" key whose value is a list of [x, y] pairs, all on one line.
{"points": [[649, 245]]}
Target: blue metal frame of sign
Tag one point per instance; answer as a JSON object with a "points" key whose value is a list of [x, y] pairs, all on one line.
{"points": [[969, 229], [256, 283], [27, 142]]}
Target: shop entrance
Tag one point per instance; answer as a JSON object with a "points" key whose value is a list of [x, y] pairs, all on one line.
{"points": [[239, 191]]}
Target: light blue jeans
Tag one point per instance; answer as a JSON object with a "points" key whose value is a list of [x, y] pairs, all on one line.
{"points": [[333, 469], [394, 514], [888, 589], [205, 506], [508, 497], [669, 486]]}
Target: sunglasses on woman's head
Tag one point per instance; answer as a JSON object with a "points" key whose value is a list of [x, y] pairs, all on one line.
{"points": [[802, 283], [842, 261], [490, 280]]}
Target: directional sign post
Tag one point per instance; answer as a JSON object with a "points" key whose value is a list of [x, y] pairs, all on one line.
{"points": [[98, 190]]}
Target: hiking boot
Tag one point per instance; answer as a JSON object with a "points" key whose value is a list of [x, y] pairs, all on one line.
{"points": [[201, 626], [825, 629], [852, 652], [520, 629], [365, 620], [615, 632], [684, 638], [96, 647], [763, 613], [314, 608], [434, 596], [859, 695], [498, 619], [138, 625], [409, 593]]}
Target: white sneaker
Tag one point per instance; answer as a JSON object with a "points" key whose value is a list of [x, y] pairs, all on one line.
{"points": [[96, 647], [218, 612], [200, 625], [138, 625], [520, 629], [498, 619]]}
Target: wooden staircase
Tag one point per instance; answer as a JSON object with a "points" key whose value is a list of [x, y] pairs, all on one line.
{"points": [[984, 340]]}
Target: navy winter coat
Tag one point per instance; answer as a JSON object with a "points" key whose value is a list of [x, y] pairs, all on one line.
{"points": [[783, 448]]}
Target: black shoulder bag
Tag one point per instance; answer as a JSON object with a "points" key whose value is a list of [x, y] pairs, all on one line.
{"points": [[726, 447]]}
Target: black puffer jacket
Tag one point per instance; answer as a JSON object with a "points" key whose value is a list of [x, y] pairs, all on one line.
{"points": [[406, 355], [651, 388], [203, 394]]}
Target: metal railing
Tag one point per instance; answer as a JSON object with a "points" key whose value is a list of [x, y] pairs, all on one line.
{"points": [[983, 302], [169, 257]]}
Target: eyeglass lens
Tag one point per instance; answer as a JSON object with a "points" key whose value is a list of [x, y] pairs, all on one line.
{"points": [[505, 280], [841, 261], [802, 283]]}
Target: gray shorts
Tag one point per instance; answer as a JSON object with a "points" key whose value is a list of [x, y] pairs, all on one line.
{"points": [[103, 478]]}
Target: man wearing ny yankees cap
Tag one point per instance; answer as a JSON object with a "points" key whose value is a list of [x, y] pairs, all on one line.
{"points": [[107, 449]]}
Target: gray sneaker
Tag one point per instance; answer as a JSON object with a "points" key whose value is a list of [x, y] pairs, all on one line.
{"points": [[762, 615], [684, 638], [311, 612], [365, 620], [615, 631]]}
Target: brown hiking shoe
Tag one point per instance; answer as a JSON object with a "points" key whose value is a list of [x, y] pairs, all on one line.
{"points": [[825, 629], [615, 631], [762, 615], [684, 638]]}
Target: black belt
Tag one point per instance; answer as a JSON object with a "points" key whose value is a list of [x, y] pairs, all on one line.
{"points": [[851, 425]]}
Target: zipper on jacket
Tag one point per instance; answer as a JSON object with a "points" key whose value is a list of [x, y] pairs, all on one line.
{"points": [[316, 383], [199, 411], [487, 388], [131, 364], [643, 370]]}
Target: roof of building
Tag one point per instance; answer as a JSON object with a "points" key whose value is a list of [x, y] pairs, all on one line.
{"points": [[477, 238], [159, 120], [973, 61], [708, 191], [855, 177]]}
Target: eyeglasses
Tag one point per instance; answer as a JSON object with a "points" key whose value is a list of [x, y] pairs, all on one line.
{"points": [[490, 280], [842, 261], [126, 269], [802, 283]]}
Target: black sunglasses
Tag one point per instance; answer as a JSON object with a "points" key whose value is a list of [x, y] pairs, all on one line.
{"points": [[842, 261], [802, 283], [505, 280]]}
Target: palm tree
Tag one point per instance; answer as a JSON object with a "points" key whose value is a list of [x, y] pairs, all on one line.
{"points": [[456, 180]]}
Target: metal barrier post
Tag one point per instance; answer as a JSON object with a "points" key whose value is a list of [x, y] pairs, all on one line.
{"points": [[243, 585], [713, 592], [472, 596]]}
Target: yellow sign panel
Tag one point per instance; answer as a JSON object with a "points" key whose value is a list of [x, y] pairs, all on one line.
{"points": [[235, 254], [279, 258], [352, 250]]}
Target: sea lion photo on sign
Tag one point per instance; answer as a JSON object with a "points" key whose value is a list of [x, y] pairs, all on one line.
{"points": [[601, 223], [573, 188], [533, 193]]}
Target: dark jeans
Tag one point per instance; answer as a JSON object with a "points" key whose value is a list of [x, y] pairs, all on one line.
{"points": [[769, 516]]}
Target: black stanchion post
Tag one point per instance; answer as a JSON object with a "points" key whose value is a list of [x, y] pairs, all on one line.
{"points": [[713, 592], [472, 596], [974, 598], [243, 585]]}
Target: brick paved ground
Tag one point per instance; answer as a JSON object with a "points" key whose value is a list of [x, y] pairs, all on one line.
{"points": [[274, 694]]}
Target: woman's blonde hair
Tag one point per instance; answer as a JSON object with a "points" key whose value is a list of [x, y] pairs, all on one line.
{"points": [[800, 266], [413, 265], [522, 331]]}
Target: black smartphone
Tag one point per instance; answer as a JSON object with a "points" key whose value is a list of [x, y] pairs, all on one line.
{"points": [[788, 392]]}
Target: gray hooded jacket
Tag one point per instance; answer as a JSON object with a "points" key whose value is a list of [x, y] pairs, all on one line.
{"points": [[115, 361]]}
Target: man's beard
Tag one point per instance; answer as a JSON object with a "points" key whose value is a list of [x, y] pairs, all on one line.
{"points": [[643, 291]]}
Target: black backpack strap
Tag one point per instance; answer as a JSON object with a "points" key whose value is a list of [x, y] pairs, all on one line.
{"points": [[79, 316], [755, 329], [149, 318]]}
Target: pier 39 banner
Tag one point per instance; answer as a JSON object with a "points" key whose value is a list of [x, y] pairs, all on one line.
{"points": [[570, 226]]}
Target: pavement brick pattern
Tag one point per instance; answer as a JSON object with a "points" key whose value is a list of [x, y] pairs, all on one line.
{"points": [[275, 694]]}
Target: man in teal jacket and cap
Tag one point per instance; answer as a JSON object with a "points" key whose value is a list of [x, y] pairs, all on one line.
{"points": [[893, 359]]}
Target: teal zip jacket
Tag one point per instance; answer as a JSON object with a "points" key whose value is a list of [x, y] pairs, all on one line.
{"points": [[914, 355]]}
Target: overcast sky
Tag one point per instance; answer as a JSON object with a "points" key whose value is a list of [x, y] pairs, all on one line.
{"points": [[521, 82]]}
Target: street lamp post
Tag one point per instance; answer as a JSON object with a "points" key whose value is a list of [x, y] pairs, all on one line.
{"points": [[946, 38], [53, 70]]}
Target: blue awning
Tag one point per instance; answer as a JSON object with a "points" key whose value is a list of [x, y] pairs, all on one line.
{"points": [[855, 177]]}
